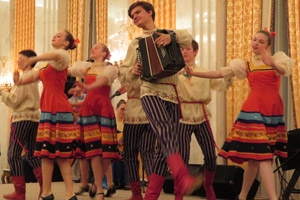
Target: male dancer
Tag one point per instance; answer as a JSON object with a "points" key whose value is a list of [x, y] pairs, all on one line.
{"points": [[160, 103]]}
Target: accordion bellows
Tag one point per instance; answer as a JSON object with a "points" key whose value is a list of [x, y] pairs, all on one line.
{"points": [[159, 62]]}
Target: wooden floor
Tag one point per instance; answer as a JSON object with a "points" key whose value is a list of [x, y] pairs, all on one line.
{"points": [[58, 189], [59, 193]]}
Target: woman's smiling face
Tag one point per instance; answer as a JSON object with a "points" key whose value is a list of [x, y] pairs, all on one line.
{"points": [[259, 41]]}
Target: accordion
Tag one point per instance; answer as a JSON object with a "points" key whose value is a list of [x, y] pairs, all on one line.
{"points": [[159, 62]]}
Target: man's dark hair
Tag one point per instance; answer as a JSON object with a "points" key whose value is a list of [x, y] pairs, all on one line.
{"points": [[145, 5], [28, 53], [195, 45]]}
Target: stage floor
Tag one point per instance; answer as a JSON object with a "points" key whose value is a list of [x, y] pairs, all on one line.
{"points": [[58, 189]]}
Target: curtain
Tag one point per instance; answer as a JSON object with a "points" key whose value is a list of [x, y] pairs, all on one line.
{"points": [[24, 28], [24, 25], [76, 19], [165, 15], [243, 20], [294, 37], [101, 20]]}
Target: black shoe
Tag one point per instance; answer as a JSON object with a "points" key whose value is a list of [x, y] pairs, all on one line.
{"points": [[76, 181], [49, 197], [120, 187], [83, 189], [126, 187], [91, 192], [110, 191], [100, 193], [73, 198]]}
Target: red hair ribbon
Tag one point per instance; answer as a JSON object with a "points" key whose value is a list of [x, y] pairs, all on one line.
{"points": [[272, 34], [76, 41]]}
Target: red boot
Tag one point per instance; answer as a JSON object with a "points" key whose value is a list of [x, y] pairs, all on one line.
{"points": [[208, 184], [19, 184], [38, 175], [177, 193], [136, 191], [185, 181], [154, 188]]}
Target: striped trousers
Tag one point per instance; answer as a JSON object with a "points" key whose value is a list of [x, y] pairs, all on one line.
{"points": [[138, 138], [164, 120], [205, 140], [22, 137]]}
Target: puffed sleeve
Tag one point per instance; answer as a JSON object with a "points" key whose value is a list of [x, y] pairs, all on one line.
{"points": [[14, 98], [126, 74], [63, 62], [80, 68], [110, 72], [18, 93], [237, 67], [221, 84], [282, 59], [183, 38]]}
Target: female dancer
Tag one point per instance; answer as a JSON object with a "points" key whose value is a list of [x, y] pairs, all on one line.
{"points": [[259, 132], [56, 131], [24, 100], [96, 121]]}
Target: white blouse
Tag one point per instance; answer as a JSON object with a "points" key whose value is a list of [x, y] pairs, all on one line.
{"points": [[238, 67], [63, 62]]}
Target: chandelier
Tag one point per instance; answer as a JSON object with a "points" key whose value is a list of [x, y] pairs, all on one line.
{"points": [[6, 71], [119, 40]]}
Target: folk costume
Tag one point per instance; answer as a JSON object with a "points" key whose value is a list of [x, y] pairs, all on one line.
{"points": [[259, 132], [96, 123], [56, 137]]}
